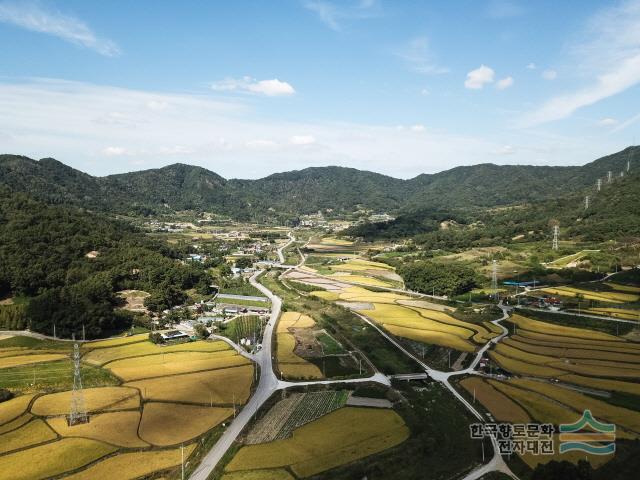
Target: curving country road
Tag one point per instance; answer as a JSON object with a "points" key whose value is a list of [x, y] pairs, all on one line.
{"points": [[269, 383]]}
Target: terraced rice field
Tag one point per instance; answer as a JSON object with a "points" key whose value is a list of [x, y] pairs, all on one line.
{"points": [[373, 281], [291, 365], [150, 366], [341, 437], [214, 386], [267, 474], [52, 459], [95, 400], [501, 407], [16, 360], [165, 424], [102, 356], [133, 465], [623, 288], [609, 297], [36, 442], [622, 313], [396, 313]]}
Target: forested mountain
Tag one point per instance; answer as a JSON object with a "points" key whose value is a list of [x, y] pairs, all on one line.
{"points": [[43, 256], [613, 213], [180, 187]]}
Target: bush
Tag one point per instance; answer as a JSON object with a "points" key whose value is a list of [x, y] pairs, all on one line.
{"points": [[156, 338], [5, 395]]}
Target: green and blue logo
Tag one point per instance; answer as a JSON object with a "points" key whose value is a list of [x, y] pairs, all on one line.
{"points": [[599, 439]]}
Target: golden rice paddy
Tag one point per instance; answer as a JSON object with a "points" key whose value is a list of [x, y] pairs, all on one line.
{"points": [[138, 368], [95, 400], [114, 342], [554, 329], [267, 474], [52, 459], [610, 297], [501, 407], [116, 428], [13, 408], [133, 465], [165, 424], [34, 432], [341, 437], [213, 386], [17, 360], [102, 356]]}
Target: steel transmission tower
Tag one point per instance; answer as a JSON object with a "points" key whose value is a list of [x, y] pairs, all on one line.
{"points": [[586, 202], [599, 184], [494, 279], [556, 231], [609, 176], [78, 413]]}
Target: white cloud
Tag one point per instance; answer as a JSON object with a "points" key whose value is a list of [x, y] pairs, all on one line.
{"points": [[531, 66], [417, 54], [302, 140], [607, 122], [476, 79], [270, 88], [504, 83], [333, 14], [610, 57], [424, 92], [549, 74], [418, 128], [61, 119], [32, 16]]}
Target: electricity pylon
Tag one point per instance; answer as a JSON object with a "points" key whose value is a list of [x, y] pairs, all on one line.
{"points": [[494, 279], [556, 231], [78, 413], [586, 202]]}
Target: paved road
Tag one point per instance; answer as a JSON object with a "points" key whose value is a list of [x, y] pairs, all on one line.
{"points": [[267, 385]]}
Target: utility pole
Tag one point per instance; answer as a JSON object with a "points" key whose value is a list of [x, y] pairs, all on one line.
{"points": [[83, 333], [182, 452]]}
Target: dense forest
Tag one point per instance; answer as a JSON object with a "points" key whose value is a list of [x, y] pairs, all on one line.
{"points": [[286, 195], [433, 279], [613, 213], [43, 256]]}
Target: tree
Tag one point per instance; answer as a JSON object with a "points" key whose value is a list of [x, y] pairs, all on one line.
{"points": [[201, 331], [244, 262], [429, 277]]}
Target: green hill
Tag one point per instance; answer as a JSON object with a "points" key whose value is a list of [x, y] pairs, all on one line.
{"points": [[285, 195]]}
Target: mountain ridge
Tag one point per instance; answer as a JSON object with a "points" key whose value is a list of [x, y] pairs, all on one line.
{"points": [[182, 186]]}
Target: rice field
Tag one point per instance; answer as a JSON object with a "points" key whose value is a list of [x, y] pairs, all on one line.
{"points": [[501, 407], [214, 386], [622, 417], [560, 330], [32, 433], [267, 474], [623, 288], [102, 356], [114, 342], [341, 437], [290, 365], [13, 408], [133, 465], [214, 375], [16, 360], [372, 281], [166, 424], [150, 366], [116, 428], [622, 313], [609, 297], [52, 459], [95, 400]]}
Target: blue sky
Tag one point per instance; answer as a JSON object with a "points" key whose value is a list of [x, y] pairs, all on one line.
{"points": [[251, 88]]}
